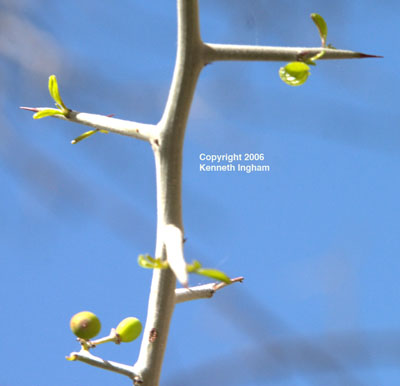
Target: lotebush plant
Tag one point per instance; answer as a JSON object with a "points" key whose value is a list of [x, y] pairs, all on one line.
{"points": [[166, 139]]}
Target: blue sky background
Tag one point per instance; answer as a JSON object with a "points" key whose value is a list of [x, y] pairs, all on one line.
{"points": [[316, 238]]}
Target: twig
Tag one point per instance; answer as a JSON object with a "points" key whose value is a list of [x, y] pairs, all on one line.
{"points": [[143, 131], [205, 291], [87, 357]]}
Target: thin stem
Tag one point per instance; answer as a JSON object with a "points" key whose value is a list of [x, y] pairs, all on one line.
{"points": [[112, 337]]}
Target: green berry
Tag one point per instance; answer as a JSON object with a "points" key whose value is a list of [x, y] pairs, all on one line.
{"points": [[85, 325], [294, 73], [129, 329]]}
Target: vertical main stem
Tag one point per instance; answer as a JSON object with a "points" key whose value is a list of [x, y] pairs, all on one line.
{"points": [[168, 150]]}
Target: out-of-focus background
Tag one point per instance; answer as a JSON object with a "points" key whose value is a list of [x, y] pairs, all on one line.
{"points": [[316, 237]]}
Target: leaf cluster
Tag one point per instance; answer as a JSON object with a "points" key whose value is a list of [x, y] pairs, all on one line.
{"points": [[61, 110], [296, 73], [146, 261]]}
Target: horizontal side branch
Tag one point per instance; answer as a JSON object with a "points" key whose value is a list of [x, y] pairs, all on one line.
{"points": [[219, 52], [143, 131]]}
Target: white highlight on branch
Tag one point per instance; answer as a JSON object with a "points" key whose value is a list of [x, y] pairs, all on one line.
{"points": [[173, 241], [87, 357], [205, 291]]}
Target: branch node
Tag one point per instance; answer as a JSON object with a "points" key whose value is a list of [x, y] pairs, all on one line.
{"points": [[137, 381], [153, 335]]}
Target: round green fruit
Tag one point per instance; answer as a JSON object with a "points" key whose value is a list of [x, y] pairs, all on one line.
{"points": [[294, 73], [85, 325], [129, 329]]}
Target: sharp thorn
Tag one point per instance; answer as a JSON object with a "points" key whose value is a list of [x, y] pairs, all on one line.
{"points": [[35, 109]]}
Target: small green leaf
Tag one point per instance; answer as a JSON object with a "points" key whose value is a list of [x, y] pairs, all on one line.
{"points": [[322, 27], [151, 259], [294, 73], [146, 261], [86, 135], [214, 274], [196, 267], [193, 267], [53, 89], [47, 113]]}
